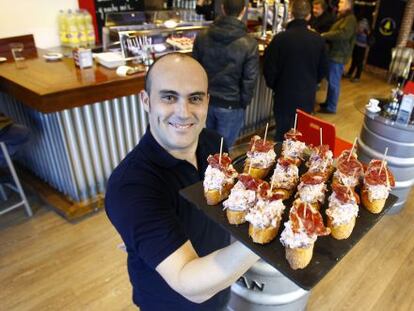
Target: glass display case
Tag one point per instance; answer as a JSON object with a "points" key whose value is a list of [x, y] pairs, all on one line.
{"points": [[140, 35]]}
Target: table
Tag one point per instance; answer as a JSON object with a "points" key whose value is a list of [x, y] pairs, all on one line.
{"points": [[376, 134]]}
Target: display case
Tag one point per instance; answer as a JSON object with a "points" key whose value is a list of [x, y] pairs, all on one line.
{"points": [[143, 35]]}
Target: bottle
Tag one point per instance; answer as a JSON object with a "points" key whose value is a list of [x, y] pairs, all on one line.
{"points": [[72, 29], [63, 35], [90, 31], [82, 32]]}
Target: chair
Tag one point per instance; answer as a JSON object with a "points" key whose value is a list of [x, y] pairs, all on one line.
{"points": [[409, 87], [29, 50], [17, 187], [310, 127]]}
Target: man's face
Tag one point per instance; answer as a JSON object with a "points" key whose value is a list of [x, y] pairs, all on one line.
{"points": [[343, 6], [317, 10], [178, 102]]}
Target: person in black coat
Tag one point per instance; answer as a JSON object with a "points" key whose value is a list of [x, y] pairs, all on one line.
{"points": [[231, 58], [294, 63]]}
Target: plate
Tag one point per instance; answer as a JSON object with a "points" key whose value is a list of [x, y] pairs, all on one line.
{"points": [[327, 251], [53, 56], [159, 47], [373, 109], [3, 59]]}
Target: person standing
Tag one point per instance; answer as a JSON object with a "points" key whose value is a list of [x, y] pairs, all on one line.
{"points": [[178, 259], [294, 63], [209, 8], [341, 39], [360, 48], [231, 58], [321, 20]]}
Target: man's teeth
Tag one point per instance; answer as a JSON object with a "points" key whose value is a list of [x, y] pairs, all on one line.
{"points": [[181, 126]]}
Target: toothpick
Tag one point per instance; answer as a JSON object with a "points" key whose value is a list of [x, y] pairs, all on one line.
{"points": [[265, 135], [296, 121], [383, 160], [221, 150], [250, 166], [352, 149], [272, 181], [320, 135]]}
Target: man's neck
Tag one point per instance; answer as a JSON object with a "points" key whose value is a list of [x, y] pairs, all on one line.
{"points": [[188, 155]]}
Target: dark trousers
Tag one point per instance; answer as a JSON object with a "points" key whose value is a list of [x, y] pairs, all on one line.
{"points": [[357, 63], [284, 122]]}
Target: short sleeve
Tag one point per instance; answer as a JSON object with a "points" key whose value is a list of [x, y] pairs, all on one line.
{"points": [[145, 219]]}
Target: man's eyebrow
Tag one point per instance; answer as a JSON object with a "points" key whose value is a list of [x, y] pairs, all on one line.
{"points": [[172, 92], [198, 94], [168, 92]]}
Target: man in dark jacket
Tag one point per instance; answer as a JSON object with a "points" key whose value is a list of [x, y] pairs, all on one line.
{"points": [[295, 62], [341, 39], [321, 20], [231, 60]]}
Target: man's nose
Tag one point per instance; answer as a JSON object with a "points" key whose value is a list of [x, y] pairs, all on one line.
{"points": [[184, 108]]}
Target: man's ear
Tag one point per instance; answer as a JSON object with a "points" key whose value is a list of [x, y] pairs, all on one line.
{"points": [[144, 98]]}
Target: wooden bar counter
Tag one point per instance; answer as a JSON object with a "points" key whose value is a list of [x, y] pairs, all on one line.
{"points": [[55, 86], [83, 123]]}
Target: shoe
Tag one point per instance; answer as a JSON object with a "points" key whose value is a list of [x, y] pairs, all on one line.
{"points": [[354, 80], [346, 76], [323, 105], [325, 110]]}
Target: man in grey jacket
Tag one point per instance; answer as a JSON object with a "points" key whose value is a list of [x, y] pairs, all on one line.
{"points": [[231, 60]]}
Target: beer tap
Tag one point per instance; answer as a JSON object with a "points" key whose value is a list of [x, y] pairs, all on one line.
{"points": [[275, 19], [264, 18], [285, 12]]}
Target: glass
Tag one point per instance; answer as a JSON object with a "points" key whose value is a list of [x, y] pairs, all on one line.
{"points": [[17, 52]]}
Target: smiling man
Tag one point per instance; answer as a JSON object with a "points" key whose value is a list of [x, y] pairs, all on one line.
{"points": [[177, 258]]}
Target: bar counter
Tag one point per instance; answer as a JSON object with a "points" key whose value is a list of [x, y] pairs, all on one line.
{"points": [[83, 123]]}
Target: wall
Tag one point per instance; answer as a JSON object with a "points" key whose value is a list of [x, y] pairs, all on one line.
{"points": [[18, 17]]}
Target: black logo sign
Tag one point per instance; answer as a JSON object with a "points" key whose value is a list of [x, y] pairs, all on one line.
{"points": [[387, 26]]}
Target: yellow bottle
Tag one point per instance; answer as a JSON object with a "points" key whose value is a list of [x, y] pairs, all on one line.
{"points": [[72, 30], [82, 32], [89, 28], [63, 35]]}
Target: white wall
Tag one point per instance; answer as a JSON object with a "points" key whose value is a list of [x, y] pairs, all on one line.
{"points": [[39, 17]]}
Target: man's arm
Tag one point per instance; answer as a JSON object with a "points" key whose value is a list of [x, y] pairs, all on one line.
{"points": [[323, 63], [200, 278], [271, 58], [343, 33], [249, 76]]}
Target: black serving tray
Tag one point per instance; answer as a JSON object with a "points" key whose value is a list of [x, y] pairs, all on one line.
{"points": [[327, 250]]}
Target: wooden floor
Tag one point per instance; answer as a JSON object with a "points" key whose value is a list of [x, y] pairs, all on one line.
{"points": [[47, 263]]}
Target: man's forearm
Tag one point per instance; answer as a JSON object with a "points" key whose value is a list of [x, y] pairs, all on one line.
{"points": [[203, 277]]}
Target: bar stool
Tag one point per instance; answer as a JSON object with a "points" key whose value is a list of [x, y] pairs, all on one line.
{"points": [[17, 187]]}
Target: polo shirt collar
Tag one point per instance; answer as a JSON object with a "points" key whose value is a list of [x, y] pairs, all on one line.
{"points": [[155, 153]]}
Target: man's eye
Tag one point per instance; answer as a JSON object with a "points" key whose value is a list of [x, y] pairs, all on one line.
{"points": [[196, 99], [169, 98]]}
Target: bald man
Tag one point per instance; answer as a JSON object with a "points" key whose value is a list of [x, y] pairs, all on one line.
{"points": [[177, 258]]}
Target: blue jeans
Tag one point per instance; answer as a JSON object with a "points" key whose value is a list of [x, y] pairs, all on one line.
{"points": [[14, 136], [227, 122], [334, 85]]}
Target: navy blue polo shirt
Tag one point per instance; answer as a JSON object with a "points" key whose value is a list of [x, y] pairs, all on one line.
{"points": [[143, 204]]}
